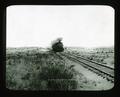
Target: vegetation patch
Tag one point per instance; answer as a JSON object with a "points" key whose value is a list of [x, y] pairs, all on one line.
{"points": [[38, 71]]}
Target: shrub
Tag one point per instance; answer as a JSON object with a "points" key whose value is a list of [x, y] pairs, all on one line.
{"points": [[62, 84], [39, 72], [55, 76]]}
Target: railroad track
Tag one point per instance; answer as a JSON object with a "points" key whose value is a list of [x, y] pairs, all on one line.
{"points": [[100, 69]]}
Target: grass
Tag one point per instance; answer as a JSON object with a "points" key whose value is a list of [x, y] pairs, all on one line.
{"points": [[38, 71], [34, 69], [100, 55]]}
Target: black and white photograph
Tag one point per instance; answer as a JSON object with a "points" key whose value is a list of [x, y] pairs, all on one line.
{"points": [[60, 47]]}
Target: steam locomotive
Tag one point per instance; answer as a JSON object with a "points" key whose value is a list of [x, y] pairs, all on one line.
{"points": [[58, 46]]}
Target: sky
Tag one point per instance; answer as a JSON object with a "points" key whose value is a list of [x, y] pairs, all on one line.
{"points": [[78, 25]]}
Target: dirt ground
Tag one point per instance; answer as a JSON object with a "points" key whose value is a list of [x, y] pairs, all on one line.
{"points": [[88, 80]]}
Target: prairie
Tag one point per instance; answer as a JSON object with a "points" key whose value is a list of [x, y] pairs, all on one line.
{"points": [[37, 69], [101, 55], [41, 69]]}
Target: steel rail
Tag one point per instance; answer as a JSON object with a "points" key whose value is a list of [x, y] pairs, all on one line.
{"points": [[104, 71]]}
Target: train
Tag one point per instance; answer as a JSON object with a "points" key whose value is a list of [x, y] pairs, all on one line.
{"points": [[57, 46]]}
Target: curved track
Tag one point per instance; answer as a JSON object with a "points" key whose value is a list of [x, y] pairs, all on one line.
{"points": [[100, 69]]}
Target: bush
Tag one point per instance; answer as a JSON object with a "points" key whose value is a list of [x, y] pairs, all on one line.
{"points": [[39, 72], [62, 84], [55, 76]]}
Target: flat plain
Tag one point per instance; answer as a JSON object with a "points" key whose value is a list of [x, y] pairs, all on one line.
{"points": [[41, 69]]}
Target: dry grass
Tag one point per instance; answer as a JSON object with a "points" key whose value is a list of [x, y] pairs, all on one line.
{"points": [[38, 71]]}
